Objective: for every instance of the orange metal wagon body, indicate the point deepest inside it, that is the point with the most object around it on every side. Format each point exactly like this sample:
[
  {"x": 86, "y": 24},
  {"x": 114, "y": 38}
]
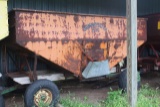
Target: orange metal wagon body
[{"x": 68, "y": 39}]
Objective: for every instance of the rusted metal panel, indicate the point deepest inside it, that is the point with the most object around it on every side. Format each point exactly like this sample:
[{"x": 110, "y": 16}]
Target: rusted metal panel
[
  {"x": 60, "y": 37},
  {"x": 149, "y": 53},
  {"x": 153, "y": 32},
  {"x": 153, "y": 25}
]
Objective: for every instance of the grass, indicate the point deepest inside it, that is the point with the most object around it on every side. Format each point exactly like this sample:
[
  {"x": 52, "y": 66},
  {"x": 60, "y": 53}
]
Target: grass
[
  {"x": 42, "y": 104},
  {"x": 70, "y": 101},
  {"x": 147, "y": 97}
]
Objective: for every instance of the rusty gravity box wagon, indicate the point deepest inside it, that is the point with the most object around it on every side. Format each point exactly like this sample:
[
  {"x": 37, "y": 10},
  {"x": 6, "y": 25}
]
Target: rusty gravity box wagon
[
  {"x": 149, "y": 53},
  {"x": 78, "y": 45}
]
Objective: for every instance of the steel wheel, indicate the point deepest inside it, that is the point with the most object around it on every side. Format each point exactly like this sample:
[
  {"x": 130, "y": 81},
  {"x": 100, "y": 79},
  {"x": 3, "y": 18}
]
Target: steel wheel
[
  {"x": 43, "y": 95},
  {"x": 41, "y": 92}
]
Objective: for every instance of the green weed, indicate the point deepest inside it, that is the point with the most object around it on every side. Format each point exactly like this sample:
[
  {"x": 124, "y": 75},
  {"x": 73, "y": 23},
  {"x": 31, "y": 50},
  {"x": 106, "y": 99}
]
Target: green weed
[
  {"x": 71, "y": 101},
  {"x": 147, "y": 97}
]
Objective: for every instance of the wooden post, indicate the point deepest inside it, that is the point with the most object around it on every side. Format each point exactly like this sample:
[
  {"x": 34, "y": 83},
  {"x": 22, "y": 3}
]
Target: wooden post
[{"x": 131, "y": 6}]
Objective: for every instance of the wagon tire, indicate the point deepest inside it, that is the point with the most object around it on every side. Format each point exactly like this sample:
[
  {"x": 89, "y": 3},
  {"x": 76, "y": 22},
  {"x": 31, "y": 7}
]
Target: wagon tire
[
  {"x": 122, "y": 81},
  {"x": 41, "y": 91},
  {"x": 2, "y": 101}
]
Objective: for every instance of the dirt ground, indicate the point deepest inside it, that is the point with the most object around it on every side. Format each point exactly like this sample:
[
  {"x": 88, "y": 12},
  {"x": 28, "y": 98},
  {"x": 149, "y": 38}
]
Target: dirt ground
[{"x": 83, "y": 90}]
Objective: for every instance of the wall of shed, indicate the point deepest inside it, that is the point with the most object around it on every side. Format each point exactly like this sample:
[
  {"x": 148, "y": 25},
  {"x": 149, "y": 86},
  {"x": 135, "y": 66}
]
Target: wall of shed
[
  {"x": 8, "y": 57},
  {"x": 7, "y": 65},
  {"x": 146, "y": 7},
  {"x": 103, "y": 7}
]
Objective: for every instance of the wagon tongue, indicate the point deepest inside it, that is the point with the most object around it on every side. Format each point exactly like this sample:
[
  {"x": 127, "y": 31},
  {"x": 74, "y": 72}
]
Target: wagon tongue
[{"x": 96, "y": 69}]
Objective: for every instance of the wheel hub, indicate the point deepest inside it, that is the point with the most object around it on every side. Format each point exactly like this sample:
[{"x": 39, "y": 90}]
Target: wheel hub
[{"x": 43, "y": 96}]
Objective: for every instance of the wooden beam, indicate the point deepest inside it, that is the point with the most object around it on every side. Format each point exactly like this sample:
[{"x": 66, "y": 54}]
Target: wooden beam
[{"x": 131, "y": 6}]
